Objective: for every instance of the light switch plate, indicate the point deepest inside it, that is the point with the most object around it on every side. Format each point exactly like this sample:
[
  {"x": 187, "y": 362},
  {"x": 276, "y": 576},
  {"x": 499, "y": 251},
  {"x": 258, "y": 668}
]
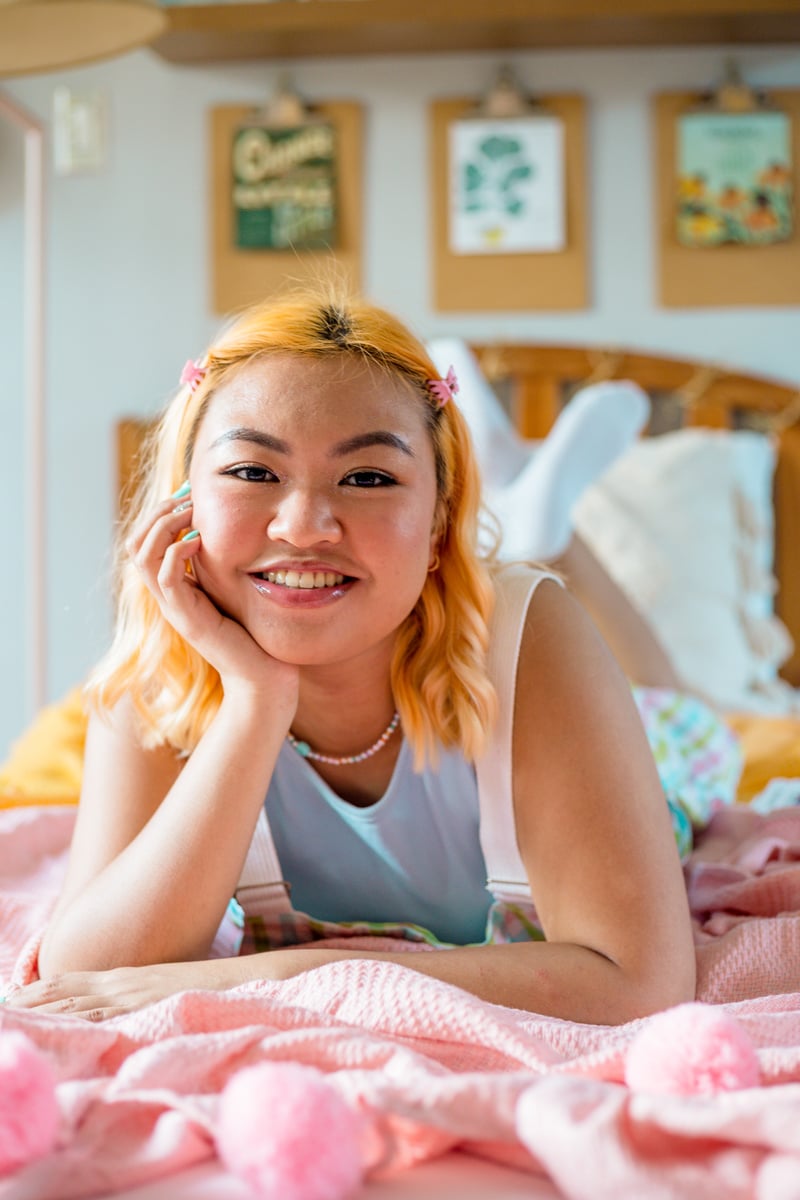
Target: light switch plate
[{"x": 79, "y": 130}]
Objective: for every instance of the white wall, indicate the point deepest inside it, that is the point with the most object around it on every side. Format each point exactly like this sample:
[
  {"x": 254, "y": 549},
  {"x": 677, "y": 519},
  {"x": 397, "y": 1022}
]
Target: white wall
[{"x": 129, "y": 271}]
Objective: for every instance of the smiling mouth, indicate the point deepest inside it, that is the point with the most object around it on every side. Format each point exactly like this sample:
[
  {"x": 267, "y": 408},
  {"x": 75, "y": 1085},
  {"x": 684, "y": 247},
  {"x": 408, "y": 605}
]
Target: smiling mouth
[{"x": 301, "y": 579}]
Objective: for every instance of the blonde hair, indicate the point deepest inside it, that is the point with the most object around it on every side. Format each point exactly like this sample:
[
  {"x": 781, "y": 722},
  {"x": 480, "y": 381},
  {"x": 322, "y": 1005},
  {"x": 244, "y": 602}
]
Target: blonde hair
[{"x": 438, "y": 673}]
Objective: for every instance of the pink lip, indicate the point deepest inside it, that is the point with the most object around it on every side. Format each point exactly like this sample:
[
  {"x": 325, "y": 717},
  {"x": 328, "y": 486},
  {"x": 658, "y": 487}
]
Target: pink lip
[{"x": 300, "y": 597}]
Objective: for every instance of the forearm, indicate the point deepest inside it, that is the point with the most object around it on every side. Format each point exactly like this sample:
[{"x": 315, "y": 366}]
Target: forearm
[
  {"x": 554, "y": 979},
  {"x": 161, "y": 899}
]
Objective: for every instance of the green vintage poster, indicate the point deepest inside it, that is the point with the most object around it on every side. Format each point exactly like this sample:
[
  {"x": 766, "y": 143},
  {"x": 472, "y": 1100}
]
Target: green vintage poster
[
  {"x": 284, "y": 187},
  {"x": 734, "y": 178},
  {"x": 507, "y": 186}
]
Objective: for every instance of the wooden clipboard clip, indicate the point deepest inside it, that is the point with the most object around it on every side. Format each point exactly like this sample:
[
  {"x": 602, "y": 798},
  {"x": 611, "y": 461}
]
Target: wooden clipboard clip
[
  {"x": 285, "y": 109},
  {"x": 733, "y": 95},
  {"x": 506, "y": 100}
]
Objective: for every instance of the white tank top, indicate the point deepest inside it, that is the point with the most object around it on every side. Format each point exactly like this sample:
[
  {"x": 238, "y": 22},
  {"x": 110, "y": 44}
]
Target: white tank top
[
  {"x": 439, "y": 846},
  {"x": 413, "y": 857}
]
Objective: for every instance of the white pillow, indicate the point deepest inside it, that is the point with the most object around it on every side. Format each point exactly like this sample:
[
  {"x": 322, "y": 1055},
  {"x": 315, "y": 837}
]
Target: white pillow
[{"x": 684, "y": 524}]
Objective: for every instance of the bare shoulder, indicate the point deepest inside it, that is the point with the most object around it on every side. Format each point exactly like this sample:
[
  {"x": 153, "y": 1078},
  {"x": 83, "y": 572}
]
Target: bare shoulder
[
  {"x": 573, "y": 698},
  {"x": 115, "y": 737},
  {"x": 561, "y": 644}
]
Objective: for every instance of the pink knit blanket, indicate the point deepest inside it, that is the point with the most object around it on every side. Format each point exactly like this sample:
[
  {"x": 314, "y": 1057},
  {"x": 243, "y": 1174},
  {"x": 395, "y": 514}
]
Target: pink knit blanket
[{"x": 432, "y": 1066}]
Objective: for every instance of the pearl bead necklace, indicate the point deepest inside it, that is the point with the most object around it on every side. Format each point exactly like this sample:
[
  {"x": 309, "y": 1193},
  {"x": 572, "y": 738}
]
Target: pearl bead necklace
[{"x": 305, "y": 751}]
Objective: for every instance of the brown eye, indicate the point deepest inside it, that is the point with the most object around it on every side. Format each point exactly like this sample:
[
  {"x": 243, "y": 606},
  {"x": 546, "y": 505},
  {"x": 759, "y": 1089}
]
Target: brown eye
[
  {"x": 250, "y": 473},
  {"x": 368, "y": 479}
]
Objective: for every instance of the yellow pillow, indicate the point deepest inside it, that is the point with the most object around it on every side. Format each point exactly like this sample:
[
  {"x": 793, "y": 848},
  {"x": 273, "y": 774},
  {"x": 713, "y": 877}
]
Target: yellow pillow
[
  {"x": 46, "y": 763},
  {"x": 771, "y": 748}
]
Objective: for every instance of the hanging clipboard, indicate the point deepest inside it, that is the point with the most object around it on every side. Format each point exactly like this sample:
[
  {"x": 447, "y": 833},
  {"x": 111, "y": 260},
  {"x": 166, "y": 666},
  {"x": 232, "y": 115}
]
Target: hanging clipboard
[
  {"x": 244, "y": 271},
  {"x": 741, "y": 255},
  {"x": 468, "y": 277}
]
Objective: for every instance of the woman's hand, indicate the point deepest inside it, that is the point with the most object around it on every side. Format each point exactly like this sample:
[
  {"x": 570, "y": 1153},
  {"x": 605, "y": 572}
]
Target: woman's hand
[
  {"x": 98, "y": 995},
  {"x": 223, "y": 642}
]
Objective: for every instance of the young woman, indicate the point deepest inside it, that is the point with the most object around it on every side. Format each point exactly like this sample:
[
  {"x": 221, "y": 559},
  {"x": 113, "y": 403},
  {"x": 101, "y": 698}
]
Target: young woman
[{"x": 317, "y": 680}]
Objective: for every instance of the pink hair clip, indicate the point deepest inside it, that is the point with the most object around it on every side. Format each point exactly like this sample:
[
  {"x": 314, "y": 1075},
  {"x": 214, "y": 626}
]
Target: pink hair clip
[
  {"x": 193, "y": 373},
  {"x": 444, "y": 389}
]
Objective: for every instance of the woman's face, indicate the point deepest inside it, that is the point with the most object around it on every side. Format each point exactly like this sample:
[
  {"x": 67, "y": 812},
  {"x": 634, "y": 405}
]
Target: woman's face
[{"x": 314, "y": 489}]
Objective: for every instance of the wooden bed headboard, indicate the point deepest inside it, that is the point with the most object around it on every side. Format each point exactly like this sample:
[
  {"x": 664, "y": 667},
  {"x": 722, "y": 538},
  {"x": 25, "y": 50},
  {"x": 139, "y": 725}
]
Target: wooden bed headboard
[{"x": 536, "y": 381}]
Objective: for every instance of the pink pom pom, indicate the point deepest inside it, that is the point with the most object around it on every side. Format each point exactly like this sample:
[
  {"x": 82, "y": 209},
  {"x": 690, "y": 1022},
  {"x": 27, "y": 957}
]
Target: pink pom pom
[
  {"x": 288, "y": 1133},
  {"x": 29, "y": 1113},
  {"x": 693, "y": 1049}
]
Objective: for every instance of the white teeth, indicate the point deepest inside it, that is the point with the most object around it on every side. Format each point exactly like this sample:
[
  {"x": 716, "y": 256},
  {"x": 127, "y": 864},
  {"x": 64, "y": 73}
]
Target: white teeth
[{"x": 304, "y": 579}]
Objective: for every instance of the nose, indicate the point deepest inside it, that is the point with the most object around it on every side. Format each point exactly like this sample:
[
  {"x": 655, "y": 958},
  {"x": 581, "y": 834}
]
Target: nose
[{"x": 304, "y": 518}]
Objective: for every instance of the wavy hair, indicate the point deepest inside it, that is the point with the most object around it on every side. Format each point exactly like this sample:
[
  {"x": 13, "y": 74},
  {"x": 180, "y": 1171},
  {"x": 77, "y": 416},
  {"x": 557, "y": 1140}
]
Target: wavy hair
[{"x": 438, "y": 673}]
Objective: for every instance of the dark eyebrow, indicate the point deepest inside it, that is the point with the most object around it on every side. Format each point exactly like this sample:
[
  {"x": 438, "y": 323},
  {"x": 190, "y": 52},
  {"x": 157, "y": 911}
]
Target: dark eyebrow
[
  {"x": 362, "y": 441},
  {"x": 242, "y": 433}
]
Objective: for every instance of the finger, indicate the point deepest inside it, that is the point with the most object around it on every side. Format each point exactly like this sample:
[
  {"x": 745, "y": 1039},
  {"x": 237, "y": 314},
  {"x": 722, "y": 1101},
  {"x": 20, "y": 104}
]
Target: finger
[
  {"x": 64, "y": 991},
  {"x": 172, "y": 571},
  {"x": 181, "y": 599},
  {"x": 104, "y": 1014},
  {"x": 26, "y": 997},
  {"x": 145, "y": 520},
  {"x": 48, "y": 991},
  {"x": 164, "y": 535},
  {"x": 149, "y": 542},
  {"x": 159, "y": 528},
  {"x": 183, "y": 602},
  {"x": 86, "y": 1008},
  {"x": 67, "y": 1006}
]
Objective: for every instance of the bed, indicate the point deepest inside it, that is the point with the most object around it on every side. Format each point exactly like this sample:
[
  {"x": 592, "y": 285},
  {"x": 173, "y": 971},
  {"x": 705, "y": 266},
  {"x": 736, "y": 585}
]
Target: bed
[{"x": 468, "y": 1099}]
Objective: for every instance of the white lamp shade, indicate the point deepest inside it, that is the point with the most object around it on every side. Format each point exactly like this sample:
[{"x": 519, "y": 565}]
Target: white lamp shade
[{"x": 47, "y": 35}]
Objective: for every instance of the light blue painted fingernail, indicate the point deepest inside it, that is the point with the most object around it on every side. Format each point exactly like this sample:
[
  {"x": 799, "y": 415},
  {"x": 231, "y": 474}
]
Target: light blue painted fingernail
[
  {"x": 183, "y": 490},
  {"x": 188, "y": 537},
  {"x": 187, "y": 504}
]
